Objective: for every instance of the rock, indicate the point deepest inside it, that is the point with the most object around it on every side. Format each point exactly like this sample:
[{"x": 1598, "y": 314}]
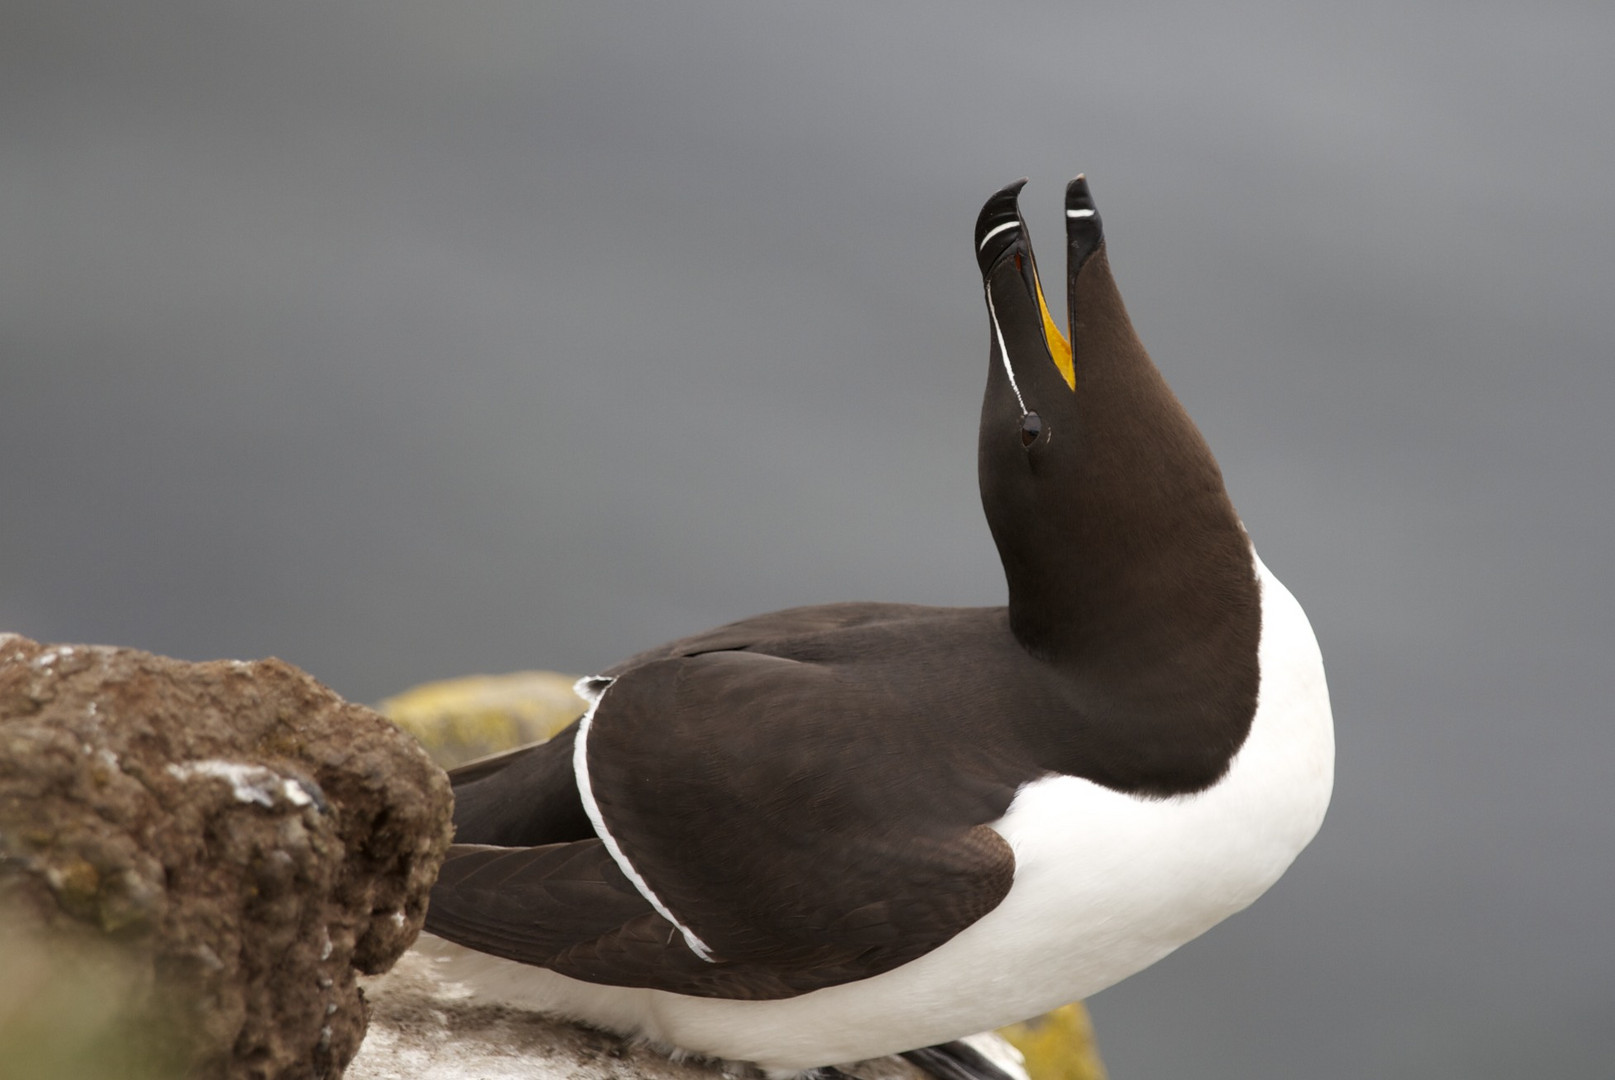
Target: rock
[
  {"x": 458, "y": 720},
  {"x": 1058, "y": 1045},
  {"x": 425, "y": 1028},
  {"x": 251, "y": 840}
]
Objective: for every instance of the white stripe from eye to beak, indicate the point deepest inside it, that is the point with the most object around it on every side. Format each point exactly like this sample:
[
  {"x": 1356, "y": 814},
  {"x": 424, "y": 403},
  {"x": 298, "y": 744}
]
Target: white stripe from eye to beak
[
  {"x": 996, "y": 231},
  {"x": 1009, "y": 368},
  {"x": 1078, "y": 213}
]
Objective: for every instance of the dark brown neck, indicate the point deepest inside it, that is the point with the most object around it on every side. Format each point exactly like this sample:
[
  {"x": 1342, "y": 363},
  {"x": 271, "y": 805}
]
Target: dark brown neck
[{"x": 1126, "y": 563}]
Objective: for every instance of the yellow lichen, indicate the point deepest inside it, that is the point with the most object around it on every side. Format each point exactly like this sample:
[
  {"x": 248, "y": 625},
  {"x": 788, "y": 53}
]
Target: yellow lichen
[
  {"x": 461, "y": 719},
  {"x": 1058, "y": 1045}
]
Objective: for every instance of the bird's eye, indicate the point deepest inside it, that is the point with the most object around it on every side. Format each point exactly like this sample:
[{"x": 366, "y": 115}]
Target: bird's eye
[{"x": 1031, "y": 428}]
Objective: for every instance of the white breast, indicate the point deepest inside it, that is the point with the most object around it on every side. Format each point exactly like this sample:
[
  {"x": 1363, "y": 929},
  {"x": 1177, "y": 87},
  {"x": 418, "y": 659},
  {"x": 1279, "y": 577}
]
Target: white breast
[{"x": 1105, "y": 884}]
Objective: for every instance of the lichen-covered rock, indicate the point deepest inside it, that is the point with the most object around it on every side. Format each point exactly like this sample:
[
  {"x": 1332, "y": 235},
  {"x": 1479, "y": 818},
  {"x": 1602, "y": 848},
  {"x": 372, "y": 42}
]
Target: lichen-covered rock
[
  {"x": 253, "y": 840},
  {"x": 469, "y": 717},
  {"x": 1058, "y": 1045}
]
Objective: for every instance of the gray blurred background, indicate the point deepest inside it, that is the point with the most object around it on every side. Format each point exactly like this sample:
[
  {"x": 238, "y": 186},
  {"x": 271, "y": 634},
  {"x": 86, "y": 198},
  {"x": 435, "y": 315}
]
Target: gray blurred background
[{"x": 405, "y": 341}]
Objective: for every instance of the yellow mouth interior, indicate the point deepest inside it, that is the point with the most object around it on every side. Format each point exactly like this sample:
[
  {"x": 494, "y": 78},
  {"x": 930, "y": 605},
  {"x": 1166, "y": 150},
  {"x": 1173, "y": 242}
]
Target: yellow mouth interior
[{"x": 1059, "y": 347}]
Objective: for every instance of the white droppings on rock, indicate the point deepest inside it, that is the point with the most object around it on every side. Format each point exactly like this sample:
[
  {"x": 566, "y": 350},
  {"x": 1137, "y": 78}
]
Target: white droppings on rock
[
  {"x": 426, "y": 1027},
  {"x": 251, "y": 783},
  {"x": 209, "y": 958}
]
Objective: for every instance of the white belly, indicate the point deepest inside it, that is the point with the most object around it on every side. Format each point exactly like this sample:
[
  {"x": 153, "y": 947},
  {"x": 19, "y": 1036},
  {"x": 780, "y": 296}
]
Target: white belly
[{"x": 1105, "y": 884}]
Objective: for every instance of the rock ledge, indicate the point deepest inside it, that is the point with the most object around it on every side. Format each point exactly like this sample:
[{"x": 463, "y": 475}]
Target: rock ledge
[{"x": 252, "y": 840}]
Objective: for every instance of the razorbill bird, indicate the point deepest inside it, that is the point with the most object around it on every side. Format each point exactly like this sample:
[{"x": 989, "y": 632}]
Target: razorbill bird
[{"x": 832, "y": 833}]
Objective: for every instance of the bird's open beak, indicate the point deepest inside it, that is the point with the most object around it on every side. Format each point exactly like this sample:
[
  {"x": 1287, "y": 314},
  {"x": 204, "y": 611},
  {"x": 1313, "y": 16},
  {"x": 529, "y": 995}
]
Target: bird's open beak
[{"x": 1001, "y": 234}]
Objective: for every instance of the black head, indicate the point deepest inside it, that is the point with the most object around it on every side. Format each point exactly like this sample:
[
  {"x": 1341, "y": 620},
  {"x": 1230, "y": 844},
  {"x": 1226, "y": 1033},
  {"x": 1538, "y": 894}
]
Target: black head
[{"x": 1119, "y": 543}]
